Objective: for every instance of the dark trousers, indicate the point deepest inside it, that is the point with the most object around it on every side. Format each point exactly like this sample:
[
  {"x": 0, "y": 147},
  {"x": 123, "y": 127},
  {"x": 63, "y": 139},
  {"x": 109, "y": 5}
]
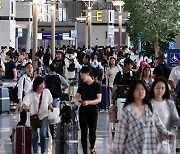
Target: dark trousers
[
  {"x": 23, "y": 118},
  {"x": 88, "y": 119}
]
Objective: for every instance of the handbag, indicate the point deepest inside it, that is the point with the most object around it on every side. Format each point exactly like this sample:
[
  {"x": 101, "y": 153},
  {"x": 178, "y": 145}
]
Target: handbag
[
  {"x": 35, "y": 121},
  {"x": 53, "y": 117}
]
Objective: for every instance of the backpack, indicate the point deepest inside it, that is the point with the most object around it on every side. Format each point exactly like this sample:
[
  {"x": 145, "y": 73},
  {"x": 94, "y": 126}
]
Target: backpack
[
  {"x": 14, "y": 93},
  {"x": 71, "y": 67},
  {"x": 68, "y": 114},
  {"x": 53, "y": 83}
]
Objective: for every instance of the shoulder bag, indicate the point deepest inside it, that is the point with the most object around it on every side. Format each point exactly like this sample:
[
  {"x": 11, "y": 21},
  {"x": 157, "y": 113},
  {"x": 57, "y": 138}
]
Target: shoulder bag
[{"x": 35, "y": 121}]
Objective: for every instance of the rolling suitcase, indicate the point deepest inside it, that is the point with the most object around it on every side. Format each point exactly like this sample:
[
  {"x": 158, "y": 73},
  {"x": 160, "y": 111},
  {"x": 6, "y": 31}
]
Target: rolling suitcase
[
  {"x": 21, "y": 140},
  {"x": 105, "y": 102},
  {"x": 4, "y": 100},
  {"x": 66, "y": 139}
]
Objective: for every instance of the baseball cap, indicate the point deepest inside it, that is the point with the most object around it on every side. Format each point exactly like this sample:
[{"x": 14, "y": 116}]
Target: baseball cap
[
  {"x": 160, "y": 56},
  {"x": 143, "y": 63}
]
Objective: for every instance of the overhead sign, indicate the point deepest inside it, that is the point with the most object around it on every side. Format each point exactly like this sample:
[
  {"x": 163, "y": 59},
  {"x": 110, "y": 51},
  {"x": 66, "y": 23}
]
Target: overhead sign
[
  {"x": 171, "y": 45},
  {"x": 172, "y": 57},
  {"x": 47, "y": 36},
  {"x": 99, "y": 16},
  {"x": 102, "y": 16},
  {"x": 73, "y": 34}
]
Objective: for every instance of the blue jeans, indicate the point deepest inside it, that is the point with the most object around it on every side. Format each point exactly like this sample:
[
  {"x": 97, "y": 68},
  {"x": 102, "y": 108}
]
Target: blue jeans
[
  {"x": 43, "y": 142},
  {"x": 56, "y": 102}
]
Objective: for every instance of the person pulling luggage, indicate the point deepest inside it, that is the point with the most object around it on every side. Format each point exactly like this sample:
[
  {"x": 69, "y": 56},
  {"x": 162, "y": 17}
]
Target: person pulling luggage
[
  {"x": 55, "y": 83},
  {"x": 90, "y": 92},
  {"x": 38, "y": 101},
  {"x": 25, "y": 84}
]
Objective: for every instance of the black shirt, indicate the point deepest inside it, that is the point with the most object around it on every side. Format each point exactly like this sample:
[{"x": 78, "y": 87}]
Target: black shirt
[
  {"x": 89, "y": 92},
  {"x": 124, "y": 79},
  {"x": 162, "y": 70},
  {"x": 60, "y": 64},
  {"x": 9, "y": 70}
]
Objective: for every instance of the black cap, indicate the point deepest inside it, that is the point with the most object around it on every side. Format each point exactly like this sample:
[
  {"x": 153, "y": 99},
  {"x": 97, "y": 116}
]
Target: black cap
[{"x": 160, "y": 57}]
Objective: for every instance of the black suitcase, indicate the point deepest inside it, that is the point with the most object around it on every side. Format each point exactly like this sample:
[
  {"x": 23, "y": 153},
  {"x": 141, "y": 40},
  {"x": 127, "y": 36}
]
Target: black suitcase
[
  {"x": 4, "y": 100},
  {"x": 66, "y": 141},
  {"x": 65, "y": 147},
  {"x": 105, "y": 102}
]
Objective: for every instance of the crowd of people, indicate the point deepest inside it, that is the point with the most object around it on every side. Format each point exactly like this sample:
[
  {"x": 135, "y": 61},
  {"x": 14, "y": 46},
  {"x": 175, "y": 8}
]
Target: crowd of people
[{"x": 149, "y": 113}]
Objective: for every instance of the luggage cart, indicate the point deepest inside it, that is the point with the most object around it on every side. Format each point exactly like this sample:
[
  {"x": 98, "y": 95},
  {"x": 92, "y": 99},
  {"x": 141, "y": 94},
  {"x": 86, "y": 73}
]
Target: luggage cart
[{"x": 120, "y": 98}]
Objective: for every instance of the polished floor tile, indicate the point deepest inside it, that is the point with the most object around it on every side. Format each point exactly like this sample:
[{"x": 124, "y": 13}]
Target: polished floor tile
[{"x": 103, "y": 142}]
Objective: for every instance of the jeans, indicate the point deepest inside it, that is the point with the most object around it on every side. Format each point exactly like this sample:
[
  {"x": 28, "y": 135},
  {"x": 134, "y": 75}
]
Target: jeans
[
  {"x": 88, "y": 119},
  {"x": 43, "y": 142},
  {"x": 56, "y": 102}
]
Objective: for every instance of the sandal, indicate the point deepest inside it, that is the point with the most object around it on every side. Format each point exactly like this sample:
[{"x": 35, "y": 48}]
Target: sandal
[{"x": 93, "y": 151}]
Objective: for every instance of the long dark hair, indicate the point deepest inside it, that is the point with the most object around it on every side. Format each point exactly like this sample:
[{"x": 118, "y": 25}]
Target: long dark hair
[
  {"x": 130, "y": 95},
  {"x": 146, "y": 67},
  {"x": 160, "y": 79},
  {"x": 110, "y": 62}
]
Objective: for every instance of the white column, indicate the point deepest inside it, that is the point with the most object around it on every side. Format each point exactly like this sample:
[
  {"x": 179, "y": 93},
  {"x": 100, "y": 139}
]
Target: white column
[
  {"x": 53, "y": 18},
  {"x": 35, "y": 29}
]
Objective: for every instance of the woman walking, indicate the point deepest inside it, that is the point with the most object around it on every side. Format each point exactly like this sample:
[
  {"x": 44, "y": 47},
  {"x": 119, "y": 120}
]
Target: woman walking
[
  {"x": 39, "y": 101},
  {"x": 137, "y": 129},
  {"x": 166, "y": 110},
  {"x": 112, "y": 70},
  {"x": 146, "y": 77},
  {"x": 90, "y": 92},
  {"x": 24, "y": 86}
]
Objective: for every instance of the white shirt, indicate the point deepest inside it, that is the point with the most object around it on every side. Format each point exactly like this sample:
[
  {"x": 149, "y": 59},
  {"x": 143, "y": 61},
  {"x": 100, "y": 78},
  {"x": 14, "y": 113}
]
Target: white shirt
[
  {"x": 32, "y": 100},
  {"x": 3, "y": 55},
  {"x": 175, "y": 74},
  {"x": 162, "y": 109},
  {"x": 27, "y": 85},
  {"x": 111, "y": 73},
  {"x": 77, "y": 65}
]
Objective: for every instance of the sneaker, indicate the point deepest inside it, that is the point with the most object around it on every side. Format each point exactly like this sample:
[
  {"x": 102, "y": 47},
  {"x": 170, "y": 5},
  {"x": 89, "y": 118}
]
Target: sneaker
[{"x": 92, "y": 151}]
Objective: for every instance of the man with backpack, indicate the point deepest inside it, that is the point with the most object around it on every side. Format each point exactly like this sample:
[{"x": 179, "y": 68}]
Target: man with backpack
[
  {"x": 126, "y": 76},
  {"x": 71, "y": 64},
  {"x": 56, "y": 84}
]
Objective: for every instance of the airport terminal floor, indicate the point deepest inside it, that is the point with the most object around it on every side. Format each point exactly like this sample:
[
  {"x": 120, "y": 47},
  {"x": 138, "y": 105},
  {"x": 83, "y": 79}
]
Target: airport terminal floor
[{"x": 103, "y": 142}]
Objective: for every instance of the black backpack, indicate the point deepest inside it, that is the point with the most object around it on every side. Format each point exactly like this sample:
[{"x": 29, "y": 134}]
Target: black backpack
[
  {"x": 71, "y": 67},
  {"x": 14, "y": 92},
  {"x": 68, "y": 114},
  {"x": 53, "y": 83}
]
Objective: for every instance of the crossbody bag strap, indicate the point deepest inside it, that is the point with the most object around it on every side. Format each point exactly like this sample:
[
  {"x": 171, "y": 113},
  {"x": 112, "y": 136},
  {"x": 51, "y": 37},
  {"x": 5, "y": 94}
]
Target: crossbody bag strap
[{"x": 40, "y": 100}]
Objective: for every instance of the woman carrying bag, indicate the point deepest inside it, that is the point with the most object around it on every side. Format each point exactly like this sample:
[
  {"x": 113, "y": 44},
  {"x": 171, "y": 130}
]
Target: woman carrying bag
[{"x": 38, "y": 101}]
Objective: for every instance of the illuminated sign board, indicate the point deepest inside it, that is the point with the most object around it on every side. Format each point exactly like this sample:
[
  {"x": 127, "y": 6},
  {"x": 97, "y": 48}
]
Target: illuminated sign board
[
  {"x": 99, "y": 16},
  {"x": 102, "y": 16}
]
